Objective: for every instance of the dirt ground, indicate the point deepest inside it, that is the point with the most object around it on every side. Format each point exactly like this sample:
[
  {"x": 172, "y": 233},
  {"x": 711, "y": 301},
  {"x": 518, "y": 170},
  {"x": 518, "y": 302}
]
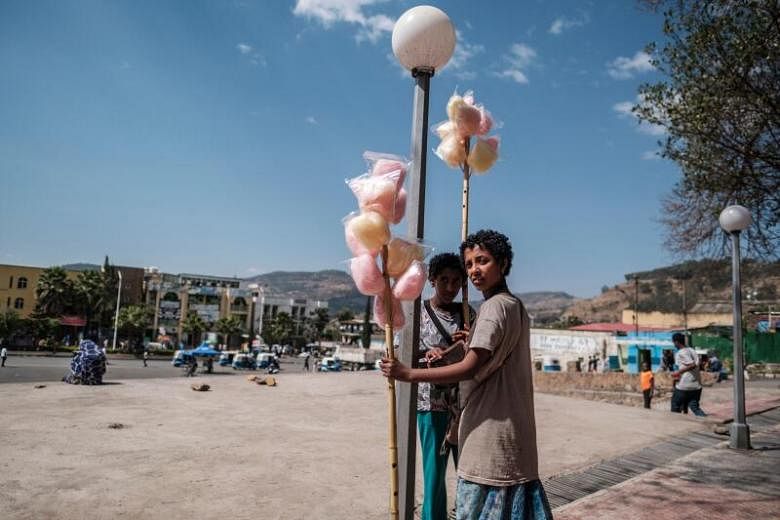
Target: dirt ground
[{"x": 312, "y": 447}]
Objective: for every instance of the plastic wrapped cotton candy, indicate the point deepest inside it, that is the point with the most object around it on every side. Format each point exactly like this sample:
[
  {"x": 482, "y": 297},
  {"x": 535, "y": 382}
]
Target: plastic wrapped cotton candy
[
  {"x": 451, "y": 150},
  {"x": 464, "y": 116},
  {"x": 383, "y": 163},
  {"x": 368, "y": 278},
  {"x": 400, "y": 255},
  {"x": 376, "y": 193},
  {"x": 410, "y": 284},
  {"x": 355, "y": 245},
  {"x": 400, "y": 206},
  {"x": 380, "y": 317},
  {"x": 484, "y": 154},
  {"x": 369, "y": 229},
  {"x": 485, "y": 121}
]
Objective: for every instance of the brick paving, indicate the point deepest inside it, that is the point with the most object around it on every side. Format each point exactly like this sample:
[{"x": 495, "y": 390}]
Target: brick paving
[{"x": 713, "y": 483}]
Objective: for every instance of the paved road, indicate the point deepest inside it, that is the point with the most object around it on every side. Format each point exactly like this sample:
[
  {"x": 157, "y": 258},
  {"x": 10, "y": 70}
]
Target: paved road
[{"x": 35, "y": 369}]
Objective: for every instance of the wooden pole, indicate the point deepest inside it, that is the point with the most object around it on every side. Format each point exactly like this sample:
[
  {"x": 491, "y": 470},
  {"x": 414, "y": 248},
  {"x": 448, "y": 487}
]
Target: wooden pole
[
  {"x": 392, "y": 445},
  {"x": 464, "y": 228}
]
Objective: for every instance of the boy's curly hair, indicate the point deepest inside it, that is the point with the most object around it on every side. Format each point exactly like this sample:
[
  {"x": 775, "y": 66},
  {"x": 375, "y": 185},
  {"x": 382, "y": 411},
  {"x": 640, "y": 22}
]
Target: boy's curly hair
[
  {"x": 443, "y": 261},
  {"x": 495, "y": 243}
]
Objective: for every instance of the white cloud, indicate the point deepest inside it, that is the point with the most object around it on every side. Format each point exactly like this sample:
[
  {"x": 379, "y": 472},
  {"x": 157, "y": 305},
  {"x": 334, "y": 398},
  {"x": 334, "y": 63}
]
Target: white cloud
[
  {"x": 650, "y": 155},
  {"x": 255, "y": 58},
  {"x": 520, "y": 57},
  {"x": 461, "y": 57},
  {"x": 624, "y": 111},
  {"x": 625, "y": 68},
  {"x": 312, "y": 121},
  {"x": 562, "y": 23},
  {"x": 244, "y": 48},
  {"x": 330, "y": 12}
]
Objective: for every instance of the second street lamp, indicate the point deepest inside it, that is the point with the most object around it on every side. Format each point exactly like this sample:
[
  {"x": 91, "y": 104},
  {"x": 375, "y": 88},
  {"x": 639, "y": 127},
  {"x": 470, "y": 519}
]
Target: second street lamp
[
  {"x": 733, "y": 220},
  {"x": 423, "y": 42}
]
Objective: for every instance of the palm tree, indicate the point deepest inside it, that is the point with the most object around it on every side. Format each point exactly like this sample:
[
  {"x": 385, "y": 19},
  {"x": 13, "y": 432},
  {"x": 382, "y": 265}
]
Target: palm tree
[
  {"x": 133, "y": 321},
  {"x": 229, "y": 326},
  {"x": 54, "y": 292},
  {"x": 90, "y": 290},
  {"x": 193, "y": 325}
]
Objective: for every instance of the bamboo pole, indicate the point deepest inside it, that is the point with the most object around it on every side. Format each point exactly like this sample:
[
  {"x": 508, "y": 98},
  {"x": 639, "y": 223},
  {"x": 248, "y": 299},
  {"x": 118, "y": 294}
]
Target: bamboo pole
[
  {"x": 392, "y": 445},
  {"x": 464, "y": 228}
]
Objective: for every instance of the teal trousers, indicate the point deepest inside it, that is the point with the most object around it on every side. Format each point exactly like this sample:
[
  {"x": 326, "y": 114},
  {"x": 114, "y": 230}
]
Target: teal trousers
[{"x": 432, "y": 427}]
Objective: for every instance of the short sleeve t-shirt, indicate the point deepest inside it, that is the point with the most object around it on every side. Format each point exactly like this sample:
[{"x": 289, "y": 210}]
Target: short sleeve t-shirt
[
  {"x": 688, "y": 380},
  {"x": 430, "y": 397},
  {"x": 497, "y": 436}
]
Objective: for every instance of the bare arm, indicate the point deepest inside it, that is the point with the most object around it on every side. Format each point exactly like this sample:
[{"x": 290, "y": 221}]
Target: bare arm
[{"x": 462, "y": 370}]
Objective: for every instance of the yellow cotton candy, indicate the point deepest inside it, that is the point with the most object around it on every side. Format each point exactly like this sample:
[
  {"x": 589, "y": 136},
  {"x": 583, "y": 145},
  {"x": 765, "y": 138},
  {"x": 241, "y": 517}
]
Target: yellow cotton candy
[
  {"x": 482, "y": 156},
  {"x": 453, "y": 105},
  {"x": 371, "y": 229},
  {"x": 451, "y": 150},
  {"x": 400, "y": 255}
]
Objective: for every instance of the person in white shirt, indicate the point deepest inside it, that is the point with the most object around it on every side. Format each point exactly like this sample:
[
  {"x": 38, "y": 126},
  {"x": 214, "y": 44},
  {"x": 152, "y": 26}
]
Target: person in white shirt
[
  {"x": 687, "y": 390},
  {"x": 3, "y": 355}
]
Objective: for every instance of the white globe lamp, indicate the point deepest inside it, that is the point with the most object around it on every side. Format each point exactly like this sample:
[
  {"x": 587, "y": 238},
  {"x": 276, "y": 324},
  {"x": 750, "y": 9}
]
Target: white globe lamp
[
  {"x": 735, "y": 218},
  {"x": 423, "y": 38}
]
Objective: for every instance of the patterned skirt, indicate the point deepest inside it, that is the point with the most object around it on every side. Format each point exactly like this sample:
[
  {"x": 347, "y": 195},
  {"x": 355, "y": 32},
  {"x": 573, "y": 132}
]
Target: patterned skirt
[{"x": 519, "y": 502}]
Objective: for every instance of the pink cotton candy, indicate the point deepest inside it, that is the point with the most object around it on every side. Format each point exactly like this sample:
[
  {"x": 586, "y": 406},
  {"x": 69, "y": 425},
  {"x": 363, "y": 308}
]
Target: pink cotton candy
[
  {"x": 366, "y": 274},
  {"x": 400, "y": 206},
  {"x": 355, "y": 245},
  {"x": 400, "y": 255},
  {"x": 369, "y": 229},
  {"x": 451, "y": 150},
  {"x": 376, "y": 193},
  {"x": 493, "y": 142},
  {"x": 410, "y": 284},
  {"x": 386, "y": 166},
  {"x": 444, "y": 129},
  {"x": 485, "y": 121},
  {"x": 380, "y": 316},
  {"x": 482, "y": 156}
]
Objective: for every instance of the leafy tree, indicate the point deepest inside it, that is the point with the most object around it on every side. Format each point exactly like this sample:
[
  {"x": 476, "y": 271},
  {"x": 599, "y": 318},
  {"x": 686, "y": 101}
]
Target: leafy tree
[
  {"x": 280, "y": 328},
  {"x": 193, "y": 325},
  {"x": 42, "y": 327},
  {"x": 9, "y": 324},
  {"x": 54, "y": 293},
  {"x": 720, "y": 106},
  {"x": 320, "y": 320},
  {"x": 228, "y": 327},
  {"x": 90, "y": 295},
  {"x": 133, "y": 320},
  {"x": 345, "y": 315}
]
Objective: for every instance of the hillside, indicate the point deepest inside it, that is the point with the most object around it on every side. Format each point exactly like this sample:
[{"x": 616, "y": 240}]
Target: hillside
[
  {"x": 662, "y": 289},
  {"x": 335, "y": 286}
]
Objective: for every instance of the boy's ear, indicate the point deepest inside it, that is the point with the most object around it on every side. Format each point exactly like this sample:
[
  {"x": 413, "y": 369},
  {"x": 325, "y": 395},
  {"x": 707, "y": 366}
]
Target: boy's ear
[{"x": 504, "y": 264}]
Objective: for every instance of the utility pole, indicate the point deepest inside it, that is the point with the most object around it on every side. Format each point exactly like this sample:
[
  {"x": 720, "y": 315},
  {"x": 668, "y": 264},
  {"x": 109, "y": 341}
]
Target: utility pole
[{"x": 636, "y": 305}]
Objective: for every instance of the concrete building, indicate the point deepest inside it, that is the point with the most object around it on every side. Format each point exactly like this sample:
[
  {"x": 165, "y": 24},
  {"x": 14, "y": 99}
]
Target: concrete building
[{"x": 17, "y": 287}]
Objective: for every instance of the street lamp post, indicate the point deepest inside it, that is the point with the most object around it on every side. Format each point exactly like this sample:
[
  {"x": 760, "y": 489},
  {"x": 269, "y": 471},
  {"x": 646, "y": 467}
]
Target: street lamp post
[
  {"x": 116, "y": 313},
  {"x": 423, "y": 42},
  {"x": 733, "y": 220}
]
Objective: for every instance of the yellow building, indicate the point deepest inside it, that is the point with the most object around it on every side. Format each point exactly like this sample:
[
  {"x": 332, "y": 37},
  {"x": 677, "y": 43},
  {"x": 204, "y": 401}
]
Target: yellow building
[
  {"x": 17, "y": 287},
  {"x": 701, "y": 315}
]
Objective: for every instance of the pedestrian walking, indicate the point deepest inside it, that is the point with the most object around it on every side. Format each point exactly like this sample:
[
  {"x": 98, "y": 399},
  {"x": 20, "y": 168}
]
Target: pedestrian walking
[
  {"x": 647, "y": 381},
  {"x": 146, "y": 357},
  {"x": 687, "y": 390},
  {"x": 306, "y": 362},
  {"x": 498, "y": 474},
  {"x": 3, "y": 355}
]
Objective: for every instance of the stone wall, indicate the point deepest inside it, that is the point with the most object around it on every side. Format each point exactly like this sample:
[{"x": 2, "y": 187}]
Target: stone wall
[{"x": 613, "y": 387}]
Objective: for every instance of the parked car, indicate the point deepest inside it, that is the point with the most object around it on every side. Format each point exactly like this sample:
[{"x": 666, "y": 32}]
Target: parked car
[
  {"x": 181, "y": 358},
  {"x": 244, "y": 362},
  {"x": 226, "y": 359},
  {"x": 330, "y": 364},
  {"x": 264, "y": 359}
]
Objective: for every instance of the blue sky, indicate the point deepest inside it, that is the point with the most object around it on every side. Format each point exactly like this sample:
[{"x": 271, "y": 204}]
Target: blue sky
[{"x": 215, "y": 137}]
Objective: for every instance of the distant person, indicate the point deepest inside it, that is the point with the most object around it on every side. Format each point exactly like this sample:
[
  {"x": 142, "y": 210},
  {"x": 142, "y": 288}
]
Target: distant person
[
  {"x": 687, "y": 390},
  {"x": 3, "y": 355},
  {"x": 193, "y": 367},
  {"x": 647, "y": 383},
  {"x": 146, "y": 357},
  {"x": 716, "y": 367},
  {"x": 498, "y": 474},
  {"x": 306, "y": 362}
]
